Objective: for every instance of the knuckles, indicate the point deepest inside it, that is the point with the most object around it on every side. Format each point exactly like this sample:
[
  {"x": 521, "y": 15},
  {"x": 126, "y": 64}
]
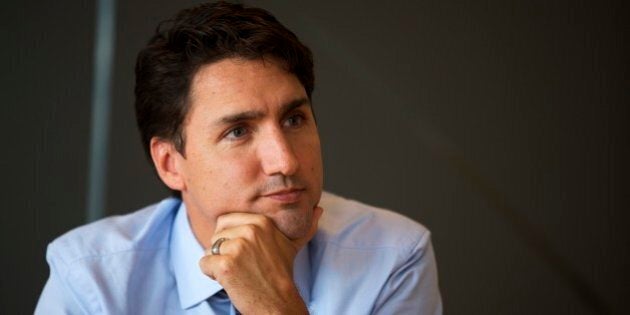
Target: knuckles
[
  {"x": 238, "y": 246},
  {"x": 217, "y": 267},
  {"x": 225, "y": 267},
  {"x": 204, "y": 264},
  {"x": 250, "y": 231}
]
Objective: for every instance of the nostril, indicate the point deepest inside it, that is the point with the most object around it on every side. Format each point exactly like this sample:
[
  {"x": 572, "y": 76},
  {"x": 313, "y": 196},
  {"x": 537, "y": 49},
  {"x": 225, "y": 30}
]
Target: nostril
[{"x": 277, "y": 157}]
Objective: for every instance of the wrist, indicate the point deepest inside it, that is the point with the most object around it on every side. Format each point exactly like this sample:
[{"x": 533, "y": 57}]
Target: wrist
[{"x": 292, "y": 301}]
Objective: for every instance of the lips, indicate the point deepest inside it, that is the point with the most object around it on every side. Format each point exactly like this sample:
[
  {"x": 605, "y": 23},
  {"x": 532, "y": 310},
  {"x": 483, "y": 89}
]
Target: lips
[{"x": 285, "y": 195}]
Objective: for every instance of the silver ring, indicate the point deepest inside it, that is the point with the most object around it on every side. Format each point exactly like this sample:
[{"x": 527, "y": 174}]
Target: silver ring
[{"x": 216, "y": 247}]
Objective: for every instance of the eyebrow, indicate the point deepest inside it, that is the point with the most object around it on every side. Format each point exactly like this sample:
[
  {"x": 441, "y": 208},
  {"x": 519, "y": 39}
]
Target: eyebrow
[{"x": 252, "y": 115}]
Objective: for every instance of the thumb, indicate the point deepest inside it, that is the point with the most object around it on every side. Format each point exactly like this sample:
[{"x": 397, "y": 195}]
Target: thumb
[{"x": 317, "y": 214}]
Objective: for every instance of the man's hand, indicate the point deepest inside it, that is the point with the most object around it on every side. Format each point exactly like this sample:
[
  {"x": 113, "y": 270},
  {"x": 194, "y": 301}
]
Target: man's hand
[{"x": 255, "y": 266}]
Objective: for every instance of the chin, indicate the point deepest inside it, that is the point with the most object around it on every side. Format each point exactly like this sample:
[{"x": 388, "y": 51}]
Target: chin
[{"x": 294, "y": 222}]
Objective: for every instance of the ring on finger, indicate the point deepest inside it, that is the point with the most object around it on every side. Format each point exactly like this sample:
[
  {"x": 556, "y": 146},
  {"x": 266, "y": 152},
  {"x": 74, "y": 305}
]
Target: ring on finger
[{"x": 216, "y": 246}]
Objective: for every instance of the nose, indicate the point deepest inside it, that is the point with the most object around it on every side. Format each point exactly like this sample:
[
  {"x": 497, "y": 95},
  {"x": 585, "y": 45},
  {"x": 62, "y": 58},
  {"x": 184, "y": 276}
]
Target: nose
[{"x": 276, "y": 155}]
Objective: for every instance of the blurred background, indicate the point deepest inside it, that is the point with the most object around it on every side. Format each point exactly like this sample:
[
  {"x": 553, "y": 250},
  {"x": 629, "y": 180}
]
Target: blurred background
[{"x": 500, "y": 125}]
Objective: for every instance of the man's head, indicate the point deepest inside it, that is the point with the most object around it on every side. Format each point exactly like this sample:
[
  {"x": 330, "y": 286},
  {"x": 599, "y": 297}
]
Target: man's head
[
  {"x": 203, "y": 35},
  {"x": 223, "y": 106}
]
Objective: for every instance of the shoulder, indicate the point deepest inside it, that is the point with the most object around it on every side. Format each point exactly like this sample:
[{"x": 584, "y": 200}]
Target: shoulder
[
  {"x": 352, "y": 224},
  {"x": 98, "y": 267},
  {"x": 142, "y": 229},
  {"x": 376, "y": 254}
]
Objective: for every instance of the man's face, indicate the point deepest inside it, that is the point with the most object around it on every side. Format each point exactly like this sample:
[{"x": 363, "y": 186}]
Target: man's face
[{"x": 251, "y": 145}]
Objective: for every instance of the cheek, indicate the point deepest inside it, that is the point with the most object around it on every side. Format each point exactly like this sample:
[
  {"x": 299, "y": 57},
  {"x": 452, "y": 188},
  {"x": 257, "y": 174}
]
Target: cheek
[
  {"x": 316, "y": 152},
  {"x": 311, "y": 158},
  {"x": 223, "y": 184},
  {"x": 234, "y": 173}
]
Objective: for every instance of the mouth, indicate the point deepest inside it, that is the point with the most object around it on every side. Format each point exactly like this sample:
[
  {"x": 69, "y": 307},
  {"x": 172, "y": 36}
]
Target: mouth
[{"x": 290, "y": 195}]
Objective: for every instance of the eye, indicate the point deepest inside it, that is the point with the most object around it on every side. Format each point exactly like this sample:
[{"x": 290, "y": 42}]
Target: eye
[
  {"x": 294, "y": 120},
  {"x": 237, "y": 133}
]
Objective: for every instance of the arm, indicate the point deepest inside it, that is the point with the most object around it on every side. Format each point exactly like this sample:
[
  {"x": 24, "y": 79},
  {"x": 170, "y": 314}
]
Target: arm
[{"x": 413, "y": 287}]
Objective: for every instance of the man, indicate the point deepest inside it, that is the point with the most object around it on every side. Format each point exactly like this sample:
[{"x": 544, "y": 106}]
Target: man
[{"x": 223, "y": 104}]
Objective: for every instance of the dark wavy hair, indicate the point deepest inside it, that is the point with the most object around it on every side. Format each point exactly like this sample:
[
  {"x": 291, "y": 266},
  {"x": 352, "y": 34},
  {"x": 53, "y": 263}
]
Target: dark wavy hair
[{"x": 199, "y": 36}]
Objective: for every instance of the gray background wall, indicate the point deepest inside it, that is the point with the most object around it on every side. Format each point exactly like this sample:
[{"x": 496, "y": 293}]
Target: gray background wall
[{"x": 500, "y": 125}]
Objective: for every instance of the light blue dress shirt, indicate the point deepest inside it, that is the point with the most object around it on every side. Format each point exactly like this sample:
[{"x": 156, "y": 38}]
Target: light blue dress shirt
[{"x": 363, "y": 260}]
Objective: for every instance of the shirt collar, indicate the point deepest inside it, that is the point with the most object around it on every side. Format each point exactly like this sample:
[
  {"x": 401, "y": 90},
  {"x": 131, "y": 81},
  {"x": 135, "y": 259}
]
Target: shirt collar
[{"x": 193, "y": 286}]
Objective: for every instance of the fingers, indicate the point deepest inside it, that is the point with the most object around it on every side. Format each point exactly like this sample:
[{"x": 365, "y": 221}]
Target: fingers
[
  {"x": 235, "y": 219},
  {"x": 223, "y": 266},
  {"x": 231, "y": 225},
  {"x": 249, "y": 240},
  {"x": 250, "y": 225},
  {"x": 237, "y": 233},
  {"x": 241, "y": 225},
  {"x": 216, "y": 266}
]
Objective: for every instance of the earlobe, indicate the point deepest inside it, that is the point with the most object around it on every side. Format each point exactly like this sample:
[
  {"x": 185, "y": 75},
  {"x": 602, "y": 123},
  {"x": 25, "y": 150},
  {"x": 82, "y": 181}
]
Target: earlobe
[{"x": 166, "y": 160}]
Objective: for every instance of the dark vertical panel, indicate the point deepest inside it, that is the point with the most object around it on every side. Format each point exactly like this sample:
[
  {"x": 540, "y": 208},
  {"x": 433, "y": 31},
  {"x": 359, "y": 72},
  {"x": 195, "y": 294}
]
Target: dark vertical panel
[
  {"x": 104, "y": 42},
  {"x": 46, "y": 70}
]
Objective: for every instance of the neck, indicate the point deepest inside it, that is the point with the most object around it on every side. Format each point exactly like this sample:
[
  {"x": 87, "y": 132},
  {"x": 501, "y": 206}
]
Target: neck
[{"x": 202, "y": 226}]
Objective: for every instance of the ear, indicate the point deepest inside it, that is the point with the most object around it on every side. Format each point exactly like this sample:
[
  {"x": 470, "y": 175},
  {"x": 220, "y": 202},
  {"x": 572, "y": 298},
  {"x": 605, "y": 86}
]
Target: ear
[{"x": 168, "y": 163}]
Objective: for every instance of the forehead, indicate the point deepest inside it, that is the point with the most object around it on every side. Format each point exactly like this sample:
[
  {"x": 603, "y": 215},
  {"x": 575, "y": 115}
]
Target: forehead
[{"x": 233, "y": 83}]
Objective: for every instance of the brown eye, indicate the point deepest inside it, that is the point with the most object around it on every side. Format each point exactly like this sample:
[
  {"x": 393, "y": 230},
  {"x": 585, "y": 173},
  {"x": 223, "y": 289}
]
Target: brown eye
[
  {"x": 294, "y": 121},
  {"x": 236, "y": 133}
]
